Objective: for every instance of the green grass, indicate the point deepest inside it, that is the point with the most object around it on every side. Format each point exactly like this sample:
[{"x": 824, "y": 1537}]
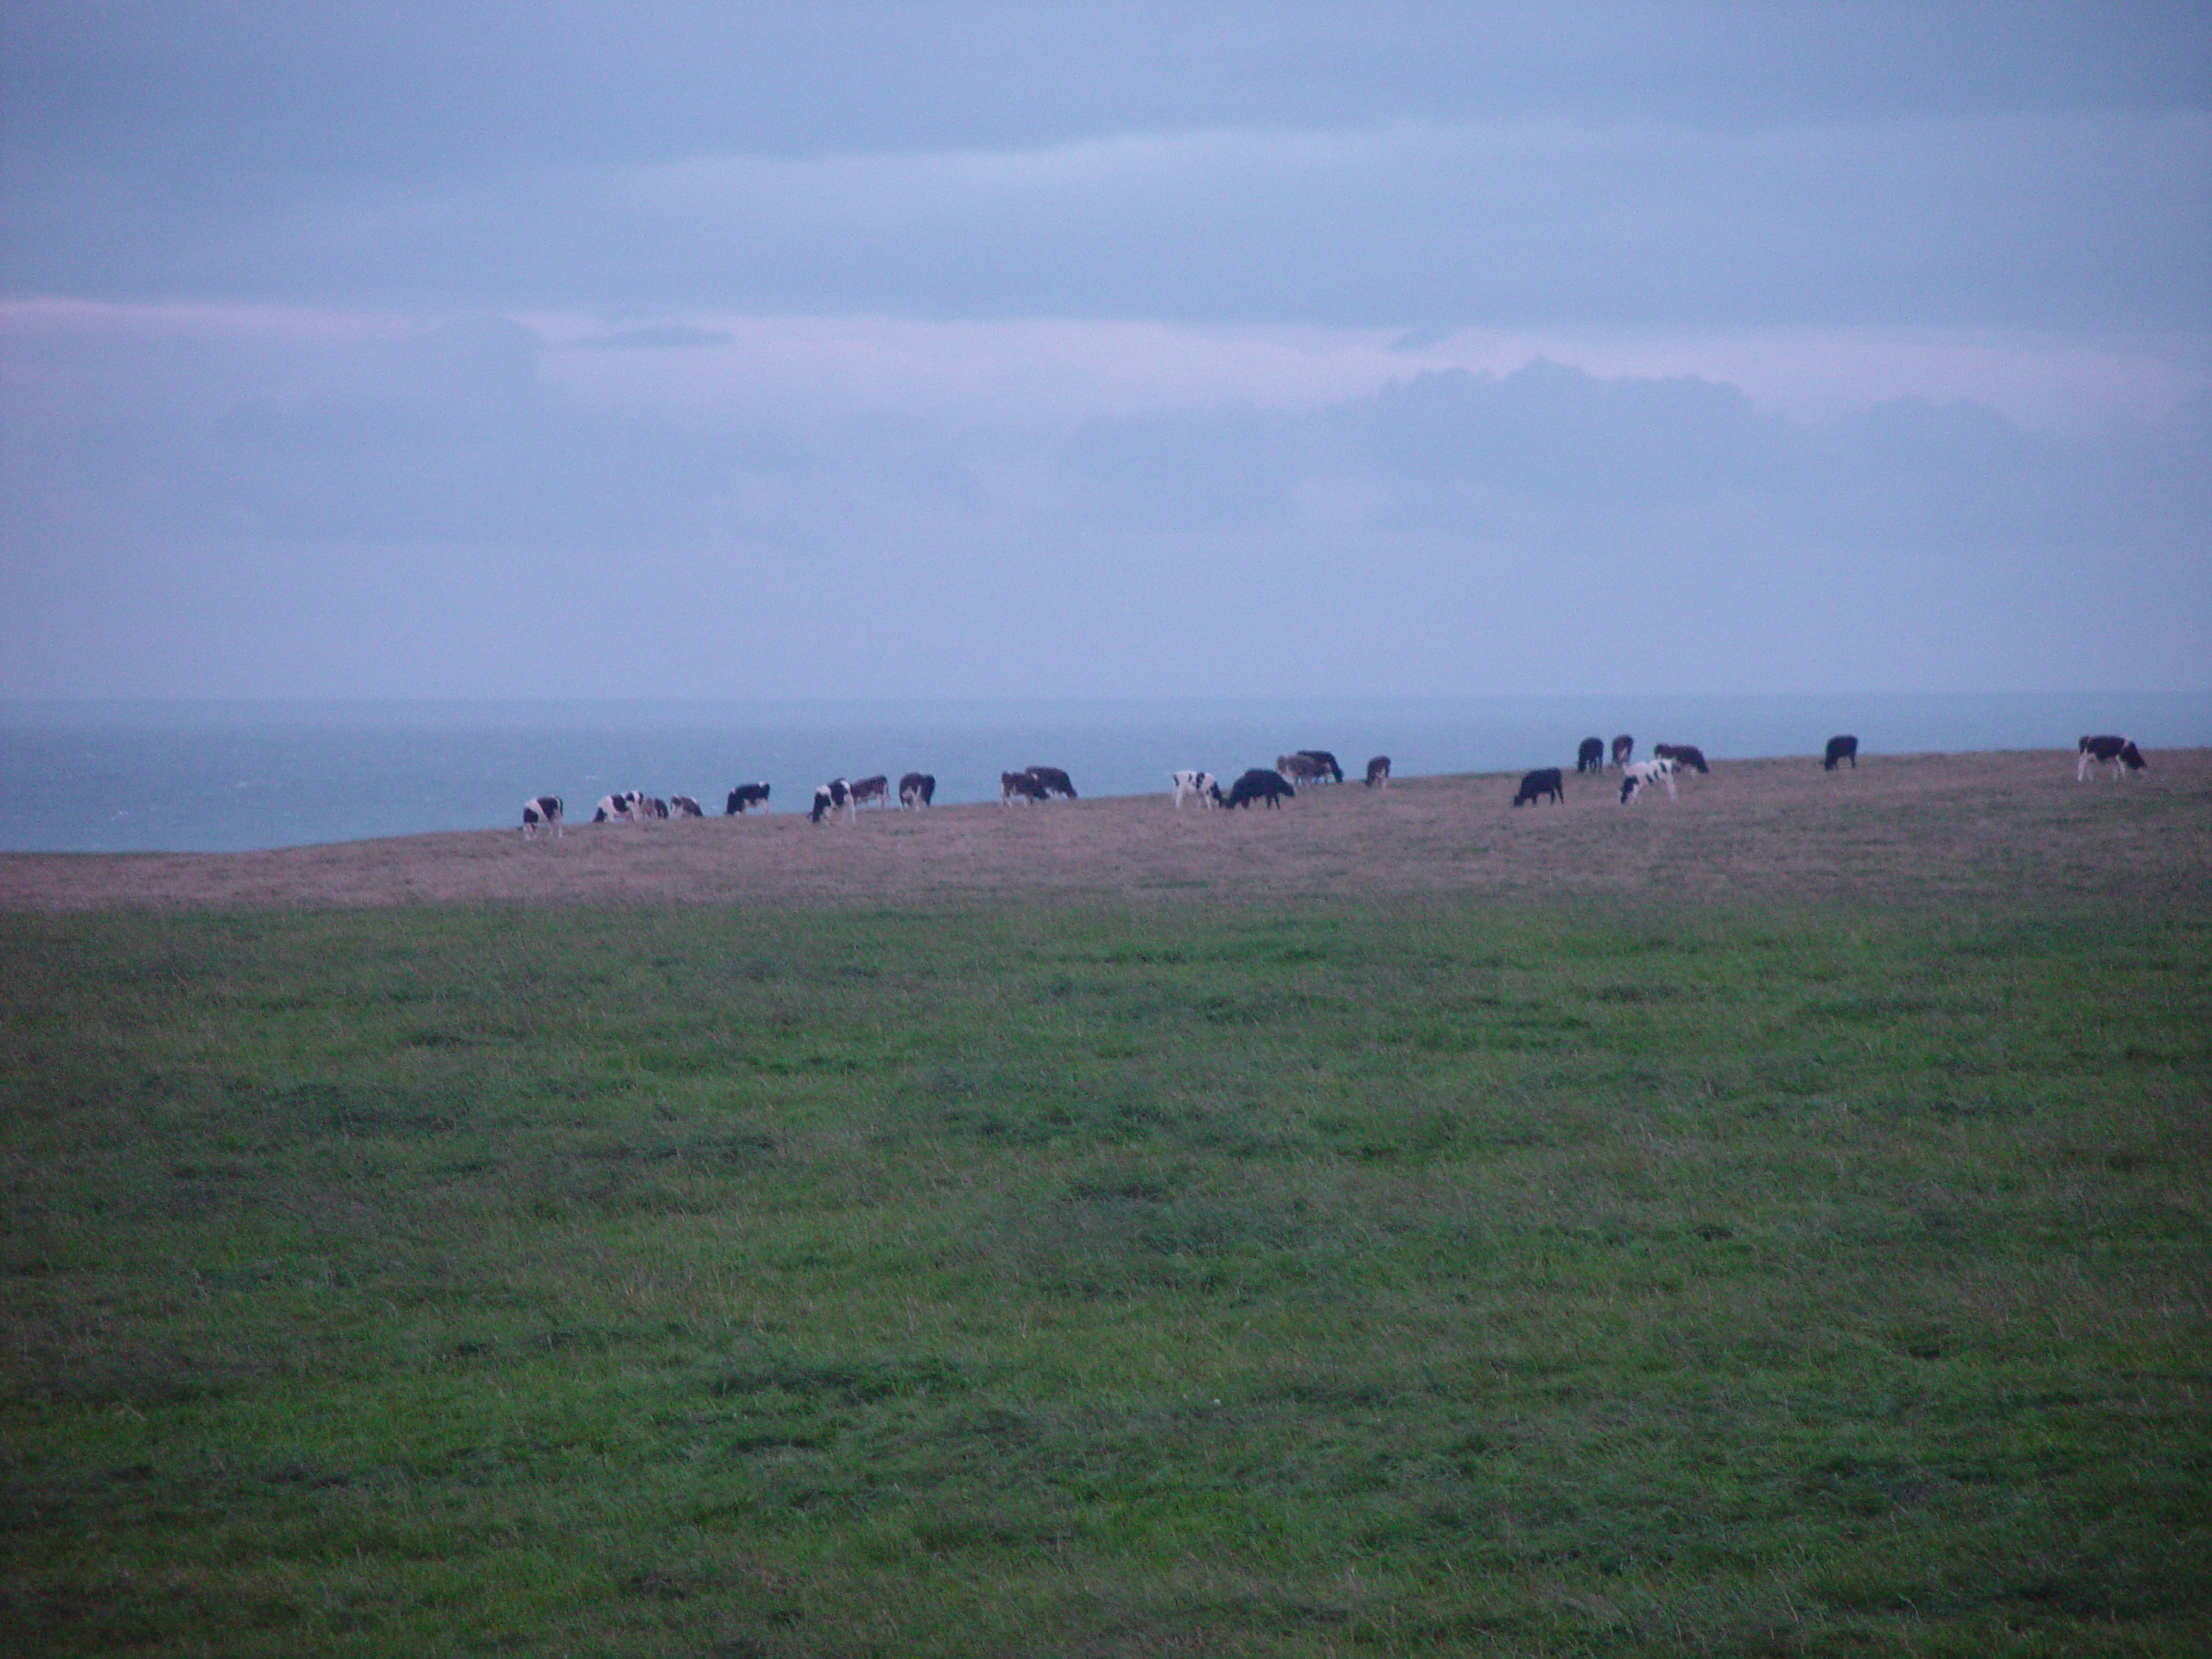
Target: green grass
[{"x": 1477, "y": 1279}]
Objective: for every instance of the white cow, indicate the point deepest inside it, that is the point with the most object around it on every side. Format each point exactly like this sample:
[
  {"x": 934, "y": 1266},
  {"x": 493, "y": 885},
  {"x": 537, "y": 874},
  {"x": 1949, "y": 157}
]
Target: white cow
[
  {"x": 1635, "y": 774},
  {"x": 1200, "y": 784}
]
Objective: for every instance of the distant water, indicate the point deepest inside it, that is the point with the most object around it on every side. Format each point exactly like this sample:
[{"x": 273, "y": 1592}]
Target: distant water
[{"x": 117, "y": 776}]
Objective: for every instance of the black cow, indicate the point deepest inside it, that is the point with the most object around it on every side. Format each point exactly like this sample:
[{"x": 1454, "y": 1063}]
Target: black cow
[
  {"x": 917, "y": 789},
  {"x": 1687, "y": 757},
  {"x": 1534, "y": 785},
  {"x": 744, "y": 796},
  {"x": 1260, "y": 784},
  {"x": 1019, "y": 785},
  {"x": 1378, "y": 772},
  {"x": 1053, "y": 781},
  {"x": 2118, "y": 752},
  {"x": 541, "y": 812},
  {"x": 1328, "y": 764},
  {"x": 1590, "y": 757},
  {"x": 1841, "y": 749},
  {"x": 1624, "y": 749}
]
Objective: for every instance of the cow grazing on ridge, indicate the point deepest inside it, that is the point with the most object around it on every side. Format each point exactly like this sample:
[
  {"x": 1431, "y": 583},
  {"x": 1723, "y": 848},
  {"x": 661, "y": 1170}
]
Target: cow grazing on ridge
[
  {"x": 1687, "y": 757},
  {"x": 1590, "y": 757},
  {"x": 684, "y": 807},
  {"x": 1624, "y": 749},
  {"x": 871, "y": 791},
  {"x": 1300, "y": 768},
  {"x": 1637, "y": 773},
  {"x": 1841, "y": 749},
  {"x": 2118, "y": 752},
  {"x": 652, "y": 807},
  {"x": 829, "y": 799},
  {"x": 744, "y": 797},
  {"x": 1200, "y": 784},
  {"x": 1053, "y": 781},
  {"x": 917, "y": 790},
  {"x": 1331, "y": 771},
  {"x": 541, "y": 812},
  {"x": 624, "y": 808},
  {"x": 1260, "y": 784},
  {"x": 1020, "y": 786},
  {"x": 1534, "y": 785},
  {"x": 1378, "y": 772}
]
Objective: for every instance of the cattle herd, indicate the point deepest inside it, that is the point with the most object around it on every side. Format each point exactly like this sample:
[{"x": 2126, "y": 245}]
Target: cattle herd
[{"x": 1035, "y": 785}]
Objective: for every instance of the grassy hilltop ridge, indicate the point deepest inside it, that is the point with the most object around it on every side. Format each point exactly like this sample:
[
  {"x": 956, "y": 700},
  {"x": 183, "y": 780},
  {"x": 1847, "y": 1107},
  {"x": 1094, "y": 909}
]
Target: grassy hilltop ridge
[{"x": 1451, "y": 1277}]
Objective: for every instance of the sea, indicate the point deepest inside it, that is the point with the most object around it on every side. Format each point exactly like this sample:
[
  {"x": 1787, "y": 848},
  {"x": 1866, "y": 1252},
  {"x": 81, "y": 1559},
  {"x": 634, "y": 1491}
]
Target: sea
[{"x": 86, "y": 776}]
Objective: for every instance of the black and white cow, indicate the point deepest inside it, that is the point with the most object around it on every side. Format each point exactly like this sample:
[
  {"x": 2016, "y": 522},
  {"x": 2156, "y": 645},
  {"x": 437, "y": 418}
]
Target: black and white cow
[
  {"x": 1534, "y": 785},
  {"x": 1053, "y": 781},
  {"x": 2118, "y": 752},
  {"x": 871, "y": 791},
  {"x": 744, "y": 796},
  {"x": 652, "y": 807},
  {"x": 1637, "y": 773},
  {"x": 1020, "y": 786},
  {"x": 1261, "y": 784},
  {"x": 1841, "y": 749},
  {"x": 1331, "y": 771},
  {"x": 831, "y": 798},
  {"x": 684, "y": 807},
  {"x": 1590, "y": 757},
  {"x": 1687, "y": 757},
  {"x": 917, "y": 790},
  {"x": 1624, "y": 749},
  {"x": 624, "y": 808},
  {"x": 541, "y": 812},
  {"x": 1200, "y": 784},
  {"x": 1378, "y": 772}
]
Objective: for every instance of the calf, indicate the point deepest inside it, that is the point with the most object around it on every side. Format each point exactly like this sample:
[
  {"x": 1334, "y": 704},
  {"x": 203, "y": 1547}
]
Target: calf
[
  {"x": 1261, "y": 784},
  {"x": 1053, "y": 782},
  {"x": 917, "y": 790},
  {"x": 744, "y": 796},
  {"x": 541, "y": 812},
  {"x": 1330, "y": 769},
  {"x": 1623, "y": 747},
  {"x": 1378, "y": 772},
  {"x": 619, "y": 808},
  {"x": 1841, "y": 749},
  {"x": 875, "y": 791},
  {"x": 2118, "y": 752},
  {"x": 684, "y": 807},
  {"x": 1200, "y": 784},
  {"x": 1637, "y": 773},
  {"x": 830, "y": 797},
  {"x": 1590, "y": 757},
  {"x": 1019, "y": 785},
  {"x": 1534, "y": 785},
  {"x": 1687, "y": 757}
]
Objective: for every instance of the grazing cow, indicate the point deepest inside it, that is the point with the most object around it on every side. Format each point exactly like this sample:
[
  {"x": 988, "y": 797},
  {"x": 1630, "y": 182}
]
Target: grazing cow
[
  {"x": 1329, "y": 770},
  {"x": 1020, "y": 786},
  {"x": 1534, "y": 785},
  {"x": 1687, "y": 757},
  {"x": 541, "y": 812},
  {"x": 1300, "y": 768},
  {"x": 917, "y": 790},
  {"x": 1637, "y": 773},
  {"x": 1840, "y": 750},
  {"x": 624, "y": 808},
  {"x": 1261, "y": 784},
  {"x": 1200, "y": 784},
  {"x": 829, "y": 799},
  {"x": 1378, "y": 772},
  {"x": 684, "y": 807},
  {"x": 744, "y": 796},
  {"x": 652, "y": 807},
  {"x": 2118, "y": 752},
  {"x": 1590, "y": 757},
  {"x": 1624, "y": 749},
  {"x": 1053, "y": 781},
  {"x": 874, "y": 790}
]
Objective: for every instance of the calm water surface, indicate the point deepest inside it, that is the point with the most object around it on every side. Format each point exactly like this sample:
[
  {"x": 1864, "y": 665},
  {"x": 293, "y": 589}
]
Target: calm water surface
[{"x": 115, "y": 777}]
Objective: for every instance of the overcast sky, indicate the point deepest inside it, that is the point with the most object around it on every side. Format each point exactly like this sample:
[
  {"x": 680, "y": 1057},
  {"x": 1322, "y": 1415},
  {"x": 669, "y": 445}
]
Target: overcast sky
[{"x": 468, "y": 349}]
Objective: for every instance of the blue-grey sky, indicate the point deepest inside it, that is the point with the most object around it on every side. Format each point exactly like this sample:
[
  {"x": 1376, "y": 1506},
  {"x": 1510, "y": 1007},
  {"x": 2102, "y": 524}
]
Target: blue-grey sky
[{"x": 908, "y": 349}]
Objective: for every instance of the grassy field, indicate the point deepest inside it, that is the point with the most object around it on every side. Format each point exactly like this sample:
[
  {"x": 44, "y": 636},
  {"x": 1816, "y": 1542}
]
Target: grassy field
[{"x": 1447, "y": 1277}]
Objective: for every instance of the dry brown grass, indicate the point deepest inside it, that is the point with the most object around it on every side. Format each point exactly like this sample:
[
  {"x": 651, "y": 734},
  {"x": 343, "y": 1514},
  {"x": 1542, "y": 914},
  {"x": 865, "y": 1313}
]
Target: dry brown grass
[{"x": 2001, "y": 827}]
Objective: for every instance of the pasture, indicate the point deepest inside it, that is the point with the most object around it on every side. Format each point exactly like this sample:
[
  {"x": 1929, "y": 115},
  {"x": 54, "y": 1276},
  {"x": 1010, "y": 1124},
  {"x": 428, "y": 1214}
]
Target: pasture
[{"x": 1801, "y": 1270}]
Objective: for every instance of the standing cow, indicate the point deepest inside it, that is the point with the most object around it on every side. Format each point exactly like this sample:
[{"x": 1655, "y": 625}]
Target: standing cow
[
  {"x": 1841, "y": 749},
  {"x": 684, "y": 807},
  {"x": 1637, "y": 773},
  {"x": 1260, "y": 784},
  {"x": 917, "y": 790},
  {"x": 1624, "y": 749},
  {"x": 871, "y": 791},
  {"x": 1020, "y": 786},
  {"x": 744, "y": 797},
  {"x": 2118, "y": 752},
  {"x": 1053, "y": 781},
  {"x": 1687, "y": 757},
  {"x": 1331, "y": 771},
  {"x": 1590, "y": 757},
  {"x": 1200, "y": 784},
  {"x": 829, "y": 799},
  {"x": 541, "y": 812},
  {"x": 1534, "y": 785},
  {"x": 1378, "y": 772}
]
